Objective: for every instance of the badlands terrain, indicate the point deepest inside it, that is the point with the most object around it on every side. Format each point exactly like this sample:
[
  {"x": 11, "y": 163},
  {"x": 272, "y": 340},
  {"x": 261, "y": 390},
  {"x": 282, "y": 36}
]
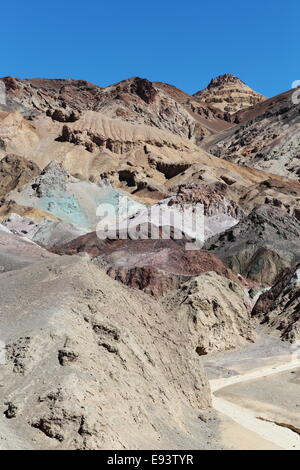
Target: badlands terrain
[{"x": 111, "y": 339}]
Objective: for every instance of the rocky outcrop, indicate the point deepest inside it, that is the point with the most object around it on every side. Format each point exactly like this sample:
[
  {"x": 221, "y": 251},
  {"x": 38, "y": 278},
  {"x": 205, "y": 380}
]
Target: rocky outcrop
[
  {"x": 215, "y": 310},
  {"x": 135, "y": 100},
  {"x": 95, "y": 146},
  {"x": 87, "y": 359},
  {"x": 144, "y": 89},
  {"x": 15, "y": 171},
  {"x": 279, "y": 307},
  {"x": 93, "y": 141},
  {"x": 266, "y": 137},
  {"x": 63, "y": 115},
  {"x": 46, "y": 95},
  {"x": 261, "y": 245},
  {"x": 283, "y": 194},
  {"x": 229, "y": 93}
]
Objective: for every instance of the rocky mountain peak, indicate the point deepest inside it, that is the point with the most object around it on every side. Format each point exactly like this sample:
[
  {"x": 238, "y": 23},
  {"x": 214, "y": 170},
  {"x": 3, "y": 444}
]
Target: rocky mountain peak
[
  {"x": 229, "y": 93},
  {"x": 221, "y": 80}
]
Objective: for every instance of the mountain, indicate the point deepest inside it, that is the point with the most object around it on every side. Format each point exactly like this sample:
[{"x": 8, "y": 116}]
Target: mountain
[
  {"x": 266, "y": 137},
  {"x": 135, "y": 100},
  {"x": 105, "y": 338},
  {"x": 229, "y": 94}
]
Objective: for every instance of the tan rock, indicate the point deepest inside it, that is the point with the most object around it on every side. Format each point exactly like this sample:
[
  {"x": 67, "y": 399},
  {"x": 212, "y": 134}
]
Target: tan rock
[{"x": 215, "y": 310}]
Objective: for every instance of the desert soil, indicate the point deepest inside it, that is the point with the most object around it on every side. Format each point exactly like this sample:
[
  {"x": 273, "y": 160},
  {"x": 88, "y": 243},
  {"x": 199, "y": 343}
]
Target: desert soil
[{"x": 261, "y": 414}]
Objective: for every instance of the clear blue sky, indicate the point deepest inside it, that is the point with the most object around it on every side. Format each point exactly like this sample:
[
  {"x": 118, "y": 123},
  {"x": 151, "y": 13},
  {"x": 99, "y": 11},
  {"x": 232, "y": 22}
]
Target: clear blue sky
[{"x": 184, "y": 43}]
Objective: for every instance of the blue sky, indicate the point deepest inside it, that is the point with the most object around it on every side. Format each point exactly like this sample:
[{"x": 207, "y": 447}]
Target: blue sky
[{"x": 184, "y": 43}]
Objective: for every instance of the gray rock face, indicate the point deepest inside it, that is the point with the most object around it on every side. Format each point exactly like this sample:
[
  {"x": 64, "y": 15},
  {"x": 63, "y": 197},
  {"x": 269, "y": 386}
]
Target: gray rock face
[
  {"x": 279, "y": 308},
  {"x": 261, "y": 245},
  {"x": 266, "y": 137}
]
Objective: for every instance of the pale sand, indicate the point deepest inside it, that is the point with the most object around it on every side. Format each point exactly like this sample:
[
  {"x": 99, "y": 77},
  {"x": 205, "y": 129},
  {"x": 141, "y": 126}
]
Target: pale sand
[{"x": 279, "y": 436}]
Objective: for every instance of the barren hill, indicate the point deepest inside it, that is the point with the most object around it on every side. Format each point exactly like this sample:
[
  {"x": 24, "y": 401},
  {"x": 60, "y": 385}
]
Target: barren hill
[
  {"x": 228, "y": 93},
  {"x": 102, "y": 337},
  {"x": 266, "y": 137}
]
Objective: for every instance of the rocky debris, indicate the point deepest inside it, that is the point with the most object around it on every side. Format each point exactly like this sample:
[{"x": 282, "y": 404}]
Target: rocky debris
[
  {"x": 279, "y": 307},
  {"x": 17, "y": 352},
  {"x": 228, "y": 93},
  {"x": 215, "y": 310},
  {"x": 53, "y": 178},
  {"x": 63, "y": 115},
  {"x": 261, "y": 245},
  {"x": 132, "y": 365},
  {"x": 15, "y": 171}
]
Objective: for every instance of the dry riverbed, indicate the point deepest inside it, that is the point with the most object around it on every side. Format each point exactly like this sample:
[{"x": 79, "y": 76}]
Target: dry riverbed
[{"x": 256, "y": 390}]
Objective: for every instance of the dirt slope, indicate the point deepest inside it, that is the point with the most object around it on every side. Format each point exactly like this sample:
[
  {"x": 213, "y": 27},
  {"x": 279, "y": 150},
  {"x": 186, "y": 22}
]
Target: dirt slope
[{"x": 85, "y": 364}]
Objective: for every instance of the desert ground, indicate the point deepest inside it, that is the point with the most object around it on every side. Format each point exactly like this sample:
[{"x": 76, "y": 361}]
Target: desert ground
[{"x": 257, "y": 388}]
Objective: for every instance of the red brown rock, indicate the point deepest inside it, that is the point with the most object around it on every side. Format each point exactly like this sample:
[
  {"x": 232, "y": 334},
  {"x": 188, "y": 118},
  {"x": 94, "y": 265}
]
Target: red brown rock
[{"x": 155, "y": 266}]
